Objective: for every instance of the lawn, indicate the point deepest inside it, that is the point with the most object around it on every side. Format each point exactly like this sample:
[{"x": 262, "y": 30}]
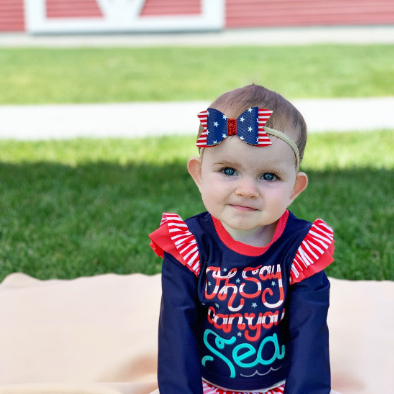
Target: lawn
[
  {"x": 33, "y": 76},
  {"x": 86, "y": 207}
]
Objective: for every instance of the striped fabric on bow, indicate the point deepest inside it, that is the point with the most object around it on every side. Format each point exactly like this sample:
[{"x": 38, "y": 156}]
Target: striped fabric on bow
[{"x": 249, "y": 127}]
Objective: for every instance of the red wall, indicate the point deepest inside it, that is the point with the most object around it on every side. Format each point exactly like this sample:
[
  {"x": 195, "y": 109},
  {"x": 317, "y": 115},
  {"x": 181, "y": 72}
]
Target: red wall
[
  {"x": 12, "y": 15},
  {"x": 262, "y": 13},
  {"x": 239, "y": 13},
  {"x": 73, "y": 9},
  {"x": 171, "y": 7}
]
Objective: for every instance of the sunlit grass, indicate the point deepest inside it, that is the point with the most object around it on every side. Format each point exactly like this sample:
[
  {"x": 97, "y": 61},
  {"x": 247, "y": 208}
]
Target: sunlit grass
[
  {"x": 85, "y": 207},
  {"x": 39, "y": 75}
]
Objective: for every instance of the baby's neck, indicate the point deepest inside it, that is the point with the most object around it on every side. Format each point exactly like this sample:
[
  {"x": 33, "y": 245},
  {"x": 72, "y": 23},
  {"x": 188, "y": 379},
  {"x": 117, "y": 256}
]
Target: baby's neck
[{"x": 258, "y": 236}]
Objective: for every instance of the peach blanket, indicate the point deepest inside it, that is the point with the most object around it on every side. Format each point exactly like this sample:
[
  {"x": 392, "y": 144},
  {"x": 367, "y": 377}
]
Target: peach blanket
[{"x": 98, "y": 335}]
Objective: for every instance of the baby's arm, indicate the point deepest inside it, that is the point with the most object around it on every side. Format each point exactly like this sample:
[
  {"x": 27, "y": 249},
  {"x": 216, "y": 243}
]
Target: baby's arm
[
  {"x": 308, "y": 350},
  {"x": 179, "y": 366},
  {"x": 309, "y": 371}
]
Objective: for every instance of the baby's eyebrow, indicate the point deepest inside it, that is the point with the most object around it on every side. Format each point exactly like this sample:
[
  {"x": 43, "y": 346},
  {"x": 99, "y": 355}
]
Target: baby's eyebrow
[
  {"x": 273, "y": 167},
  {"x": 227, "y": 163}
]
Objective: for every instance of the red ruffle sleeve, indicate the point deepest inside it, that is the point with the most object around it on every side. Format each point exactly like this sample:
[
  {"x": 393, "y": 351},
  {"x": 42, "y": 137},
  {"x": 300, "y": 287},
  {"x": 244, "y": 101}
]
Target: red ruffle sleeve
[
  {"x": 315, "y": 252},
  {"x": 173, "y": 236}
]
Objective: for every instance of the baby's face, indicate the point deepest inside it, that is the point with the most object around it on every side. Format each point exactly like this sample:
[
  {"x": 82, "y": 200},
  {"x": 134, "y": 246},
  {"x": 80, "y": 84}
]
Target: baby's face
[{"x": 247, "y": 187}]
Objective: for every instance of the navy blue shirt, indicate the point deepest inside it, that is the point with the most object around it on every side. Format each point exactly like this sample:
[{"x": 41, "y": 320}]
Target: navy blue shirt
[{"x": 239, "y": 324}]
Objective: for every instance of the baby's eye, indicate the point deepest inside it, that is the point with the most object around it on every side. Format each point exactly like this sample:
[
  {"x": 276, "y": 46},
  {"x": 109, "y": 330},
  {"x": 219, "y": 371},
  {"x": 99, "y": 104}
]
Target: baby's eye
[
  {"x": 268, "y": 176},
  {"x": 229, "y": 171}
]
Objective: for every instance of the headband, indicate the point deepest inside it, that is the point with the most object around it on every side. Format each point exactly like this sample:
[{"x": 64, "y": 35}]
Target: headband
[{"x": 249, "y": 127}]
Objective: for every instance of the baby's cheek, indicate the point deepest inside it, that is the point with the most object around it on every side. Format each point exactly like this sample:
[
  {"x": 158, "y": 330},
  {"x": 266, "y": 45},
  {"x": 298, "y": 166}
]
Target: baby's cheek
[
  {"x": 208, "y": 201},
  {"x": 280, "y": 198}
]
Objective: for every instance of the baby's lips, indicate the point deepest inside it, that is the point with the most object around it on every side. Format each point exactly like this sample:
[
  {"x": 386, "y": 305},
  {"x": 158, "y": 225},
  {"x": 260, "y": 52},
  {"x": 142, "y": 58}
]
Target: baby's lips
[{"x": 243, "y": 207}]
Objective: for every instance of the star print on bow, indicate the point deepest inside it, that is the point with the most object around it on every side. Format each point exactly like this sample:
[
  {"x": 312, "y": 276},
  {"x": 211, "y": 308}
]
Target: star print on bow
[{"x": 249, "y": 127}]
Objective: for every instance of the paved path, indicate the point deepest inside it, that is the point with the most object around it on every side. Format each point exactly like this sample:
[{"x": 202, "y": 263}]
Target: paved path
[
  {"x": 31, "y": 122},
  {"x": 267, "y": 36}
]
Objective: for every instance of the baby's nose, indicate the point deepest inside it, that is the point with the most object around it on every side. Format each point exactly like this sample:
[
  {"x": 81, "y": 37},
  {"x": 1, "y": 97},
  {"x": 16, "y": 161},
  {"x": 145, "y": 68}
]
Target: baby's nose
[{"x": 247, "y": 187}]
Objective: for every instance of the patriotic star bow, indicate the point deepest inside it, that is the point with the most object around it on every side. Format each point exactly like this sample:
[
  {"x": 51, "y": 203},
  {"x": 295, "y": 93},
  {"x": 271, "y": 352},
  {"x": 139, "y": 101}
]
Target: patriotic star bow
[{"x": 249, "y": 127}]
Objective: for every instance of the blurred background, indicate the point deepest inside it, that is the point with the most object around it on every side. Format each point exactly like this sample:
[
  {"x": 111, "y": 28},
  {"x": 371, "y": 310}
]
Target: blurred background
[
  {"x": 72, "y": 16},
  {"x": 98, "y": 104}
]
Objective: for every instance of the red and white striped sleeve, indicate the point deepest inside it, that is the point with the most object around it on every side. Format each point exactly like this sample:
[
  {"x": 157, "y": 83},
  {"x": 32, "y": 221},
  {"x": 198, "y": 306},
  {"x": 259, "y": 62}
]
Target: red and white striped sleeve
[
  {"x": 173, "y": 236},
  {"x": 315, "y": 252}
]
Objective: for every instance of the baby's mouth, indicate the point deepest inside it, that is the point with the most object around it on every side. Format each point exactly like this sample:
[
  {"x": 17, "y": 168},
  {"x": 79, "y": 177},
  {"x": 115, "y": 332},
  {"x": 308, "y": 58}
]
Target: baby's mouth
[{"x": 243, "y": 208}]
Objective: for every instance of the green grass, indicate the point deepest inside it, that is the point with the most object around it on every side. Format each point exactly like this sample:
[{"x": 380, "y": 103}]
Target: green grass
[
  {"x": 85, "y": 207},
  {"x": 164, "y": 74}
]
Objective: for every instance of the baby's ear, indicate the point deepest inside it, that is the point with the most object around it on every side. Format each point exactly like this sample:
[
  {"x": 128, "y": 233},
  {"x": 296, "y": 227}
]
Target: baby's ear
[
  {"x": 300, "y": 185},
  {"x": 194, "y": 168}
]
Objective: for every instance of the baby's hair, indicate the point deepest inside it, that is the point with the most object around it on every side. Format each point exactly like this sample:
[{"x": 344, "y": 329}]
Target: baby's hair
[{"x": 236, "y": 101}]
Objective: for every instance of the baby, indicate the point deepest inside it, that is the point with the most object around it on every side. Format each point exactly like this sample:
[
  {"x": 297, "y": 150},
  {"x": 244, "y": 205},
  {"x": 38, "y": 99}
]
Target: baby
[{"x": 245, "y": 297}]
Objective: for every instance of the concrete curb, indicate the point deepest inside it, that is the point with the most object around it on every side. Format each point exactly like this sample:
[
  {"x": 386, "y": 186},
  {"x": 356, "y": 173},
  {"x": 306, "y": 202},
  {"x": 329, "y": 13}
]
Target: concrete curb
[{"x": 263, "y": 37}]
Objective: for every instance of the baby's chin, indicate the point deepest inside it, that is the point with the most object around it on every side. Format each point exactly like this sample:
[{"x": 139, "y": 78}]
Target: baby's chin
[
  {"x": 240, "y": 226},
  {"x": 244, "y": 226}
]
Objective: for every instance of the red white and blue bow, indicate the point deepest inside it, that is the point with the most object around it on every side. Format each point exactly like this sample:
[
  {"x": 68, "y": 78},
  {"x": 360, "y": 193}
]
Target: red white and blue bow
[{"x": 249, "y": 127}]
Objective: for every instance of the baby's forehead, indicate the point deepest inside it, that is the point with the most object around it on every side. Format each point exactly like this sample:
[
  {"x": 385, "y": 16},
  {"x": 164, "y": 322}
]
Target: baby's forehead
[{"x": 233, "y": 151}]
